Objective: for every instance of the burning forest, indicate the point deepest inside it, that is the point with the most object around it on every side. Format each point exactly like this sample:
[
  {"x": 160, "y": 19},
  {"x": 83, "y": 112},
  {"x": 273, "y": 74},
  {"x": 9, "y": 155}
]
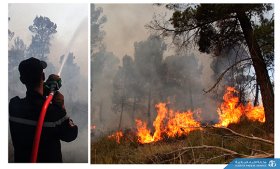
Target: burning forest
[
  {"x": 172, "y": 127},
  {"x": 173, "y": 91},
  {"x": 170, "y": 123}
]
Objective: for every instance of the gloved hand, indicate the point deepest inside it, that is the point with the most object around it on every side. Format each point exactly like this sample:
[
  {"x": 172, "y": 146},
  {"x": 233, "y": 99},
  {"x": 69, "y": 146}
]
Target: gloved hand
[
  {"x": 52, "y": 83},
  {"x": 58, "y": 99}
]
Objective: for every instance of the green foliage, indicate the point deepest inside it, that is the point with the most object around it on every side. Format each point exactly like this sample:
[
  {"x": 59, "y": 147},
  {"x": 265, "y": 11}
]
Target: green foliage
[
  {"x": 264, "y": 33},
  {"x": 215, "y": 26}
]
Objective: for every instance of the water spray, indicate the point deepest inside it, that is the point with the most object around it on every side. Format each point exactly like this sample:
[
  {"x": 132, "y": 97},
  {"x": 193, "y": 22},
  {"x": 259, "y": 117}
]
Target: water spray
[
  {"x": 66, "y": 53},
  {"x": 52, "y": 86}
]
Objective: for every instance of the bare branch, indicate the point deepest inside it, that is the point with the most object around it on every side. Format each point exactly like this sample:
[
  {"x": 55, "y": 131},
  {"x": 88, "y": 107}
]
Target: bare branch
[
  {"x": 222, "y": 75},
  {"x": 248, "y": 137},
  {"x": 219, "y": 156},
  {"x": 227, "y": 151},
  {"x": 252, "y": 149}
]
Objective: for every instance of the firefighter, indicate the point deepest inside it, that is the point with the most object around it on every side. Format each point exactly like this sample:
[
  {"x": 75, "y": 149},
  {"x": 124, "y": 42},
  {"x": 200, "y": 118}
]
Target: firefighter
[{"x": 24, "y": 113}]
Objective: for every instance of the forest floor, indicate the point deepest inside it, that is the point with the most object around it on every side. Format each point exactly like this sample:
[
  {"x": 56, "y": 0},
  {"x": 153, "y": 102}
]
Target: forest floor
[{"x": 207, "y": 146}]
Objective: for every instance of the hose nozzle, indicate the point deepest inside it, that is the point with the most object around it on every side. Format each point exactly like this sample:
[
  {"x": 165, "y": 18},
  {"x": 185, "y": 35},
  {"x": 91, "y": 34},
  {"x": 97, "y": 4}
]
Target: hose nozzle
[{"x": 53, "y": 83}]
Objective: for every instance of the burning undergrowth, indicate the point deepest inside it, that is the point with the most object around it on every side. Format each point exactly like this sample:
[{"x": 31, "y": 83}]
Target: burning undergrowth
[
  {"x": 170, "y": 123},
  {"x": 182, "y": 137},
  {"x": 167, "y": 122},
  {"x": 199, "y": 146}
]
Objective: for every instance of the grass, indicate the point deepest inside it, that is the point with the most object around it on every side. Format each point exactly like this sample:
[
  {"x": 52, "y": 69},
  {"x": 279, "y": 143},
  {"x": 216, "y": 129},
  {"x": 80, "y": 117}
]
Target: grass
[{"x": 167, "y": 151}]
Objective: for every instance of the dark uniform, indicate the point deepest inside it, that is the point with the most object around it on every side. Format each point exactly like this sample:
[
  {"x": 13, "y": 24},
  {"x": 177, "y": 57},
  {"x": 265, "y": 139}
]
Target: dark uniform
[{"x": 23, "y": 117}]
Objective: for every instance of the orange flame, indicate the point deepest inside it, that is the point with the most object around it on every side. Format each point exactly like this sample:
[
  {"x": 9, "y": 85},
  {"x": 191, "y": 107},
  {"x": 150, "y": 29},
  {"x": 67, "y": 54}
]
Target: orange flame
[
  {"x": 167, "y": 122},
  {"x": 255, "y": 113},
  {"x": 92, "y": 127},
  {"x": 181, "y": 124},
  {"x": 172, "y": 124},
  {"x": 144, "y": 134},
  {"x": 231, "y": 110},
  {"x": 116, "y": 136}
]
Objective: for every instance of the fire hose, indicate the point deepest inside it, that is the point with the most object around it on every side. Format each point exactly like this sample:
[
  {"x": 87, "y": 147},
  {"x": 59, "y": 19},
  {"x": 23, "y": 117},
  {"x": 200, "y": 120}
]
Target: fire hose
[{"x": 51, "y": 85}]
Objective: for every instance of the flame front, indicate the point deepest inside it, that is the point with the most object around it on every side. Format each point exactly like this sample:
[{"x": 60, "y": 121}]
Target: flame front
[
  {"x": 167, "y": 123},
  {"x": 144, "y": 134},
  {"x": 230, "y": 111},
  {"x": 255, "y": 113},
  {"x": 181, "y": 124},
  {"x": 172, "y": 123},
  {"x": 116, "y": 136}
]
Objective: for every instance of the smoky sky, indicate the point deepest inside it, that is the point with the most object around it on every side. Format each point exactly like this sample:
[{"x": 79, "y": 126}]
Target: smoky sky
[
  {"x": 68, "y": 17},
  {"x": 126, "y": 25}
]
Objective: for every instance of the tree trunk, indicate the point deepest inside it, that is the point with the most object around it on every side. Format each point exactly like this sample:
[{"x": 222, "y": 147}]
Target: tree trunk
[
  {"x": 256, "y": 102},
  {"x": 101, "y": 111},
  {"x": 190, "y": 93},
  {"x": 133, "y": 111},
  {"x": 122, "y": 105},
  {"x": 122, "y": 100},
  {"x": 260, "y": 69},
  {"x": 149, "y": 107}
]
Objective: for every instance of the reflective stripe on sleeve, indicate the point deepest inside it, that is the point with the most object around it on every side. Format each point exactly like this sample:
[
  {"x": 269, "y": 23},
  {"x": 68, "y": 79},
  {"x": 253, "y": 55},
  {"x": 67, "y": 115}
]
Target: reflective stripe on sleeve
[{"x": 34, "y": 123}]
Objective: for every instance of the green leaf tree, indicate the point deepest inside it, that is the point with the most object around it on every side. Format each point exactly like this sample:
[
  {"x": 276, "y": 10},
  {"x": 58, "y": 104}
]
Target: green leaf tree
[{"x": 215, "y": 27}]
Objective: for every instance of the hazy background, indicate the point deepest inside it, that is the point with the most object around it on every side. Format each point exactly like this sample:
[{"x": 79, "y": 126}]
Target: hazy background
[
  {"x": 68, "y": 17},
  {"x": 124, "y": 27}
]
